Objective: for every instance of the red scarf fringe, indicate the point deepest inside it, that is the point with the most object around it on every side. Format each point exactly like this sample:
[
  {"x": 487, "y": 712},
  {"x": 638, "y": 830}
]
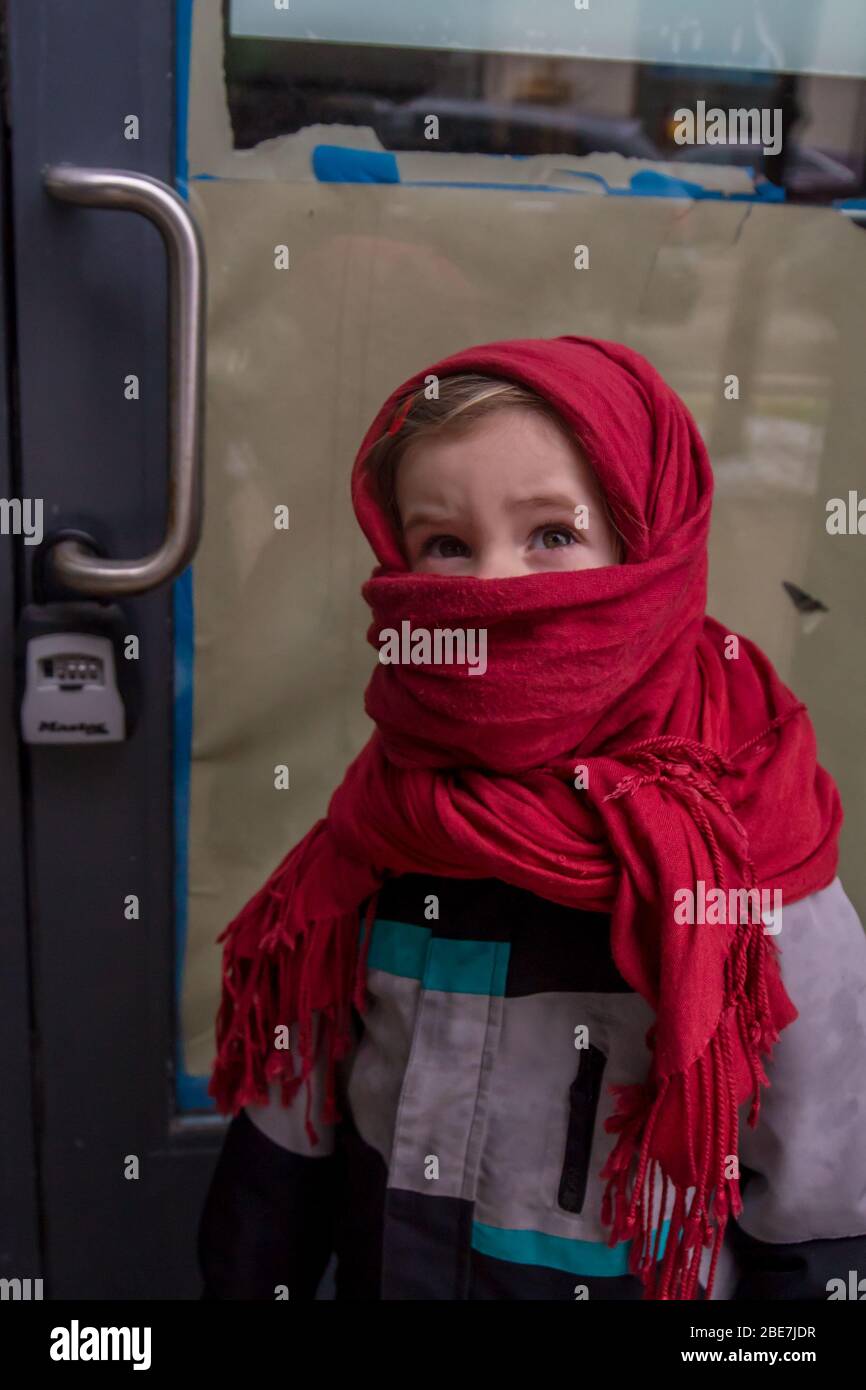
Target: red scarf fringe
[{"x": 279, "y": 970}]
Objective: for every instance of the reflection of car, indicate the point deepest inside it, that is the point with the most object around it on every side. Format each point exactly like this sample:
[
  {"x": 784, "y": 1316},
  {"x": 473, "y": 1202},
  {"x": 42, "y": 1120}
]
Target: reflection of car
[
  {"x": 484, "y": 127},
  {"x": 808, "y": 172}
]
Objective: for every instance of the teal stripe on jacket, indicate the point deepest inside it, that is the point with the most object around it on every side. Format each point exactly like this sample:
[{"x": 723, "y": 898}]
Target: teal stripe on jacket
[
  {"x": 454, "y": 966},
  {"x": 587, "y": 1257}
]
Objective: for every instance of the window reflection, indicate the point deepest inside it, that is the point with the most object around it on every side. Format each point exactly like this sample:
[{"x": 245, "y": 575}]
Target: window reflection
[{"x": 500, "y": 103}]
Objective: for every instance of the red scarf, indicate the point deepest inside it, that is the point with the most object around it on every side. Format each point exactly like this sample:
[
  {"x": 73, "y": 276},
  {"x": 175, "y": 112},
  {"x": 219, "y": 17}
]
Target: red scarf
[{"x": 698, "y": 766}]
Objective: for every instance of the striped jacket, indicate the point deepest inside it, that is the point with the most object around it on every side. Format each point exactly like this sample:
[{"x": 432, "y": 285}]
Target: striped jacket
[{"x": 466, "y": 1165}]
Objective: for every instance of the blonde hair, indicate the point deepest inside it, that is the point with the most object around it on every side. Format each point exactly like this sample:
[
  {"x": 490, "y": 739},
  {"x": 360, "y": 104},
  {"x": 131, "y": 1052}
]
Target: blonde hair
[{"x": 463, "y": 400}]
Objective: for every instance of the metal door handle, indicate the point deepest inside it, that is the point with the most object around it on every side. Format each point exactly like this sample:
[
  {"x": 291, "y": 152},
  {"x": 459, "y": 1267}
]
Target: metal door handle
[{"x": 73, "y": 564}]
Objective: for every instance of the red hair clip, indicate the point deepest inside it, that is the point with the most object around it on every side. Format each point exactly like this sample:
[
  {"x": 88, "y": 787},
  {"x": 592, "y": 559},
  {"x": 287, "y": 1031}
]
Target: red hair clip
[{"x": 402, "y": 412}]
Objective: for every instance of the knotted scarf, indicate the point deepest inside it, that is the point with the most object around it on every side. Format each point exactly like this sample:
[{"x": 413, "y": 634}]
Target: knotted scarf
[{"x": 619, "y": 747}]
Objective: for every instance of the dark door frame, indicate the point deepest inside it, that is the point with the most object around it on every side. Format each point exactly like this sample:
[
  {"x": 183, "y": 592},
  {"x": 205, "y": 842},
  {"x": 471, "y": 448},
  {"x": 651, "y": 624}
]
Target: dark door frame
[
  {"x": 86, "y": 304},
  {"x": 20, "y": 1246}
]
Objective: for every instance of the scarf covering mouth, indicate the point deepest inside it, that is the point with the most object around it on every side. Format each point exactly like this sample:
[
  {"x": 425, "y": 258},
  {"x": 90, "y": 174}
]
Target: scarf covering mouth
[{"x": 612, "y": 753}]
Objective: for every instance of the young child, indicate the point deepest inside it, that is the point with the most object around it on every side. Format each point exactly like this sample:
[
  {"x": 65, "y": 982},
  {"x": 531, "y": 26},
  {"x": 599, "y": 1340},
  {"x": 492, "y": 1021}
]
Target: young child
[{"x": 579, "y": 887}]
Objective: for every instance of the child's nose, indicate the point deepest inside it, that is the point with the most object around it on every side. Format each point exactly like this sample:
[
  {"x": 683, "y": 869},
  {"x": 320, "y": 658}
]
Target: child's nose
[{"x": 498, "y": 562}]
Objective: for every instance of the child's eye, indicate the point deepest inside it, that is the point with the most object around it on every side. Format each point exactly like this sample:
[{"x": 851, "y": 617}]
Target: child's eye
[
  {"x": 445, "y": 547},
  {"x": 555, "y": 537}
]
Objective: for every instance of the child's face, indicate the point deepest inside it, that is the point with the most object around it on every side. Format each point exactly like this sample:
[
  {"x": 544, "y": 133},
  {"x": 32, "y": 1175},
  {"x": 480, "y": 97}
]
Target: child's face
[{"x": 505, "y": 499}]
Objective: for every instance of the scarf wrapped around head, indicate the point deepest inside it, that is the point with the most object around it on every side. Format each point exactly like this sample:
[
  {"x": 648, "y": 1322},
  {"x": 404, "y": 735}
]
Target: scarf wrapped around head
[{"x": 618, "y": 748}]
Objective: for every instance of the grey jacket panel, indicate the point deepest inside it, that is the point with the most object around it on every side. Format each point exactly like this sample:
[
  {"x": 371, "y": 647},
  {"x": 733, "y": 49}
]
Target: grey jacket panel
[
  {"x": 808, "y": 1149},
  {"x": 469, "y": 1094}
]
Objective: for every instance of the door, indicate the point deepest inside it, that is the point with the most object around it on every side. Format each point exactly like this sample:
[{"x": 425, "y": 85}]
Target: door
[{"x": 105, "y": 1180}]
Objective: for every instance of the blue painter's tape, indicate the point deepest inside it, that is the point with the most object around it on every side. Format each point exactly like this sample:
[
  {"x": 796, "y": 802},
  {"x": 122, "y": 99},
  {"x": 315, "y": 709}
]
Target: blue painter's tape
[
  {"x": 765, "y": 192},
  {"x": 184, "y": 624},
  {"x": 587, "y": 174},
  {"x": 651, "y": 183},
  {"x": 510, "y": 187},
  {"x": 183, "y": 46},
  {"x": 337, "y": 164},
  {"x": 190, "y": 1091}
]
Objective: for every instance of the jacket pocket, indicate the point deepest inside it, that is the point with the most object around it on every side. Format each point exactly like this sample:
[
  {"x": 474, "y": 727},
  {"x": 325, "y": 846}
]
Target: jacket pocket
[{"x": 583, "y": 1098}]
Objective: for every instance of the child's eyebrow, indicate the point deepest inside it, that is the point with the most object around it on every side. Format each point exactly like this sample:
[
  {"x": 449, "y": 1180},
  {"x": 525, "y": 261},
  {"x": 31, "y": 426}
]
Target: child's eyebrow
[
  {"x": 552, "y": 501},
  {"x": 442, "y": 518}
]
